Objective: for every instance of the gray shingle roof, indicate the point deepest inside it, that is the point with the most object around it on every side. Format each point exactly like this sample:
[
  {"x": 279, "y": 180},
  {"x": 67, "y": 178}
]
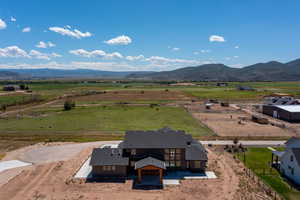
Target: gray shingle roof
[
  {"x": 108, "y": 156},
  {"x": 195, "y": 152},
  {"x": 162, "y": 138},
  {"x": 150, "y": 161}
]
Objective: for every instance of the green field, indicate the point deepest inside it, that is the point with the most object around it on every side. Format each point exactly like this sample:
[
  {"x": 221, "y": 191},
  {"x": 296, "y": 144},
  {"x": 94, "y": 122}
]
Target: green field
[
  {"x": 109, "y": 119},
  {"x": 258, "y": 159}
]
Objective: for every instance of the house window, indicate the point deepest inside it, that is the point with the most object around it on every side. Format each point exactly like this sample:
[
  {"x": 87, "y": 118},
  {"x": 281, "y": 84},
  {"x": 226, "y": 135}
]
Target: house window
[
  {"x": 167, "y": 157},
  {"x": 109, "y": 168},
  {"x": 292, "y": 171},
  {"x": 132, "y": 163},
  {"x": 292, "y": 158},
  {"x": 172, "y": 154},
  {"x": 178, "y": 164},
  {"x": 172, "y": 163},
  {"x": 133, "y": 151},
  {"x": 197, "y": 164}
]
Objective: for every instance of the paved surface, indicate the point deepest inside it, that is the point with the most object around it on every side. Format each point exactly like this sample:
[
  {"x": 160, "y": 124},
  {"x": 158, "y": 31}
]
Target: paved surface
[
  {"x": 262, "y": 143},
  {"x": 85, "y": 170},
  {"x": 171, "y": 182},
  {"x": 57, "y": 153},
  {"x": 5, "y": 165},
  {"x": 177, "y": 175}
]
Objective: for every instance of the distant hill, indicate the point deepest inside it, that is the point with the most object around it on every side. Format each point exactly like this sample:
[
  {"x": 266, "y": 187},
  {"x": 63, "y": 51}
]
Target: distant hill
[
  {"x": 8, "y": 75},
  {"x": 270, "y": 71},
  {"x": 62, "y": 73}
]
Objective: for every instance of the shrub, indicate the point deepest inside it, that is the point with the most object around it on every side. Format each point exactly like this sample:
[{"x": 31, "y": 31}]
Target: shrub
[
  {"x": 3, "y": 107},
  {"x": 69, "y": 104}
]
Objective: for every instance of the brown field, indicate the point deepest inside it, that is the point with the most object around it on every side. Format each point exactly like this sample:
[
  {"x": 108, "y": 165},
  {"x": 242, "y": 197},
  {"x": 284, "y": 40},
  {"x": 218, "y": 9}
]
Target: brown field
[
  {"x": 136, "y": 95},
  {"x": 54, "y": 181},
  {"x": 224, "y": 121}
]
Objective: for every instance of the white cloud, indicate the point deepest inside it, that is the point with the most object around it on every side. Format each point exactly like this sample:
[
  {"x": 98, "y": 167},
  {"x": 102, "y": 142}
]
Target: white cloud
[
  {"x": 2, "y": 24},
  {"x": 13, "y": 52},
  {"x": 44, "y": 56},
  {"x": 16, "y": 52},
  {"x": 175, "y": 49},
  {"x": 163, "y": 60},
  {"x": 196, "y": 53},
  {"x": 95, "y": 54},
  {"x": 235, "y": 56},
  {"x": 236, "y": 47},
  {"x": 71, "y": 33},
  {"x": 13, "y": 19},
  {"x": 134, "y": 58},
  {"x": 26, "y": 30},
  {"x": 44, "y": 45},
  {"x": 216, "y": 38},
  {"x": 120, "y": 40}
]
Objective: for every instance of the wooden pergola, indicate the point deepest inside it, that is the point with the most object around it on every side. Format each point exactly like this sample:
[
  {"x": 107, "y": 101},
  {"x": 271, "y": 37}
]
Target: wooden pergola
[
  {"x": 150, "y": 166},
  {"x": 150, "y": 170}
]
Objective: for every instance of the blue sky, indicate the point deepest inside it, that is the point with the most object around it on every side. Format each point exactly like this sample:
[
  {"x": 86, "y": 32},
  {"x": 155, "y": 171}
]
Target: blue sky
[{"x": 147, "y": 35}]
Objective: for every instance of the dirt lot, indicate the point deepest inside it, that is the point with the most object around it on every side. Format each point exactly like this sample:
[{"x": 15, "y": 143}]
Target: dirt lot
[
  {"x": 54, "y": 181},
  {"x": 227, "y": 121},
  {"x": 129, "y": 95}
]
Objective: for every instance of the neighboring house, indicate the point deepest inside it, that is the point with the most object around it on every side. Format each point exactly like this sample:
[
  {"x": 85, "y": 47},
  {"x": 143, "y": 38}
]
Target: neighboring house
[
  {"x": 10, "y": 87},
  {"x": 290, "y": 113},
  {"x": 245, "y": 88},
  {"x": 150, "y": 153},
  {"x": 289, "y": 164}
]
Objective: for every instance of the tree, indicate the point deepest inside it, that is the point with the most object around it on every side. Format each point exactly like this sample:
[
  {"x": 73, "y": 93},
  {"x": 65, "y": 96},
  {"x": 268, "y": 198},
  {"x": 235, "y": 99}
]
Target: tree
[
  {"x": 3, "y": 107},
  {"x": 69, "y": 104}
]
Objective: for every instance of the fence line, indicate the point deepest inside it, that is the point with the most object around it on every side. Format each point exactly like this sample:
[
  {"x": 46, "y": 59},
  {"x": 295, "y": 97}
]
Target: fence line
[{"x": 266, "y": 188}]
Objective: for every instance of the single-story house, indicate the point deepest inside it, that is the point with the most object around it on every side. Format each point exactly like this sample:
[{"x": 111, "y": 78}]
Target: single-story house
[
  {"x": 152, "y": 153},
  {"x": 11, "y": 87},
  {"x": 290, "y": 113},
  {"x": 288, "y": 161}
]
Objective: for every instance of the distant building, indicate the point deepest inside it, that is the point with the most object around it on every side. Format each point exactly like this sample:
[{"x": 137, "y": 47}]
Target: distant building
[
  {"x": 280, "y": 100},
  {"x": 245, "y": 88},
  {"x": 288, "y": 161},
  {"x": 149, "y": 153},
  {"x": 11, "y": 87},
  {"x": 290, "y": 113},
  {"x": 222, "y": 84}
]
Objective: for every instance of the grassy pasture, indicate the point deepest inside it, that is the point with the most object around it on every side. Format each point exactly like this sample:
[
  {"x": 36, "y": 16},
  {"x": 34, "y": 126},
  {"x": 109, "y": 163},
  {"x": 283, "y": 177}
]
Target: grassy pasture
[
  {"x": 108, "y": 119},
  {"x": 259, "y": 158}
]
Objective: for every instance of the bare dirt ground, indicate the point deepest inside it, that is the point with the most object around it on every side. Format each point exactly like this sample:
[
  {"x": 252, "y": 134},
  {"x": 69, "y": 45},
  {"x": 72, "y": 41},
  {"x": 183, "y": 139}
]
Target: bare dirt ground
[
  {"x": 228, "y": 121},
  {"x": 128, "y": 95},
  {"x": 54, "y": 181}
]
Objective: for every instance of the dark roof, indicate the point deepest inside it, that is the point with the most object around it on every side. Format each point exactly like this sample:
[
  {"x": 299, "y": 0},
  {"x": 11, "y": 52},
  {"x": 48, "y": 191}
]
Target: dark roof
[
  {"x": 296, "y": 152},
  {"x": 150, "y": 161},
  {"x": 292, "y": 140},
  {"x": 195, "y": 152},
  {"x": 162, "y": 138},
  {"x": 108, "y": 156}
]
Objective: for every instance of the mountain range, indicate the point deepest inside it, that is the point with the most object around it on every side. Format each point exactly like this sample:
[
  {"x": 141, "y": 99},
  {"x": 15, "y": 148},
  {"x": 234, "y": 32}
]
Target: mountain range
[{"x": 270, "y": 71}]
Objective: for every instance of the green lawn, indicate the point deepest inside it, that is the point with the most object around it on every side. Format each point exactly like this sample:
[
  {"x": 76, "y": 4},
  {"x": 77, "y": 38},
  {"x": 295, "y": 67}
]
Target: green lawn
[
  {"x": 258, "y": 159},
  {"x": 110, "y": 119}
]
